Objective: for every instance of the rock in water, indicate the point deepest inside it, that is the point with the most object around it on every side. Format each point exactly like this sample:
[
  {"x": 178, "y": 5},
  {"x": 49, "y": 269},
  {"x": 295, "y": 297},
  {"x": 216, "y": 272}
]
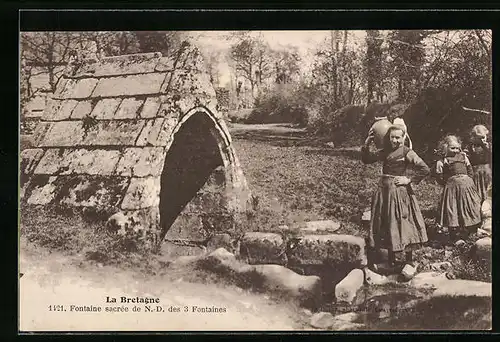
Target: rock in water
[
  {"x": 346, "y": 290},
  {"x": 322, "y": 320}
]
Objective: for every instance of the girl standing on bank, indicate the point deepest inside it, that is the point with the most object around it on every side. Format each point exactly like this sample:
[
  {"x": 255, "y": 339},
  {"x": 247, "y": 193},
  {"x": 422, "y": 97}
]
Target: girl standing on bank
[
  {"x": 460, "y": 206},
  {"x": 396, "y": 222},
  {"x": 479, "y": 152}
]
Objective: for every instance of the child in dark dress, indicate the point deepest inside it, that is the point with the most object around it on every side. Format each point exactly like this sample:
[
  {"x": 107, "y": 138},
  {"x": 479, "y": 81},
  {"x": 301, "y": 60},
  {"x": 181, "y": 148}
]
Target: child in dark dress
[
  {"x": 396, "y": 222},
  {"x": 460, "y": 205},
  {"x": 479, "y": 152}
]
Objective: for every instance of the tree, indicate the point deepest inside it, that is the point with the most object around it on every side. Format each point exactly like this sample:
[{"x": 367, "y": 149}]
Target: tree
[
  {"x": 286, "y": 63},
  {"x": 49, "y": 50},
  {"x": 166, "y": 42},
  {"x": 373, "y": 65},
  {"x": 252, "y": 60},
  {"x": 407, "y": 51}
]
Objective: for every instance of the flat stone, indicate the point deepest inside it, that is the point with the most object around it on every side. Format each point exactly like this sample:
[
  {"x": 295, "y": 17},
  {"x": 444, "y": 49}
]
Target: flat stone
[
  {"x": 45, "y": 194},
  {"x": 346, "y": 289},
  {"x": 141, "y": 162},
  {"x": 483, "y": 248},
  {"x": 82, "y": 109},
  {"x": 63, "y": 133},
  {"x": 80, "y": 89},
  {"x": 128, "y": 108},
  {"x": 114, "y": 133},
  {"x": 150, "y": 132},
  {"x": 320, "y": 226},
  {"x": 263, "y": 248},
  {"x": 29, "y": 160},
  {"x": 331, "y": 248},
  {"x": 151, "y": 107},
  {"x": 105, "y": 109},
  {"x": 133, "y": 85},
  {"x": 322, "y": 320},
  {"x": 142, "y": 193},
  {"x": 78, "y": 161},
  {"x": 127, "y": 64}
]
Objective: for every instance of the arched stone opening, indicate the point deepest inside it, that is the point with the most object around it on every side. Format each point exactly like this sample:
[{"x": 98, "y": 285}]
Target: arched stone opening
[{"x": 197, "y": 158}]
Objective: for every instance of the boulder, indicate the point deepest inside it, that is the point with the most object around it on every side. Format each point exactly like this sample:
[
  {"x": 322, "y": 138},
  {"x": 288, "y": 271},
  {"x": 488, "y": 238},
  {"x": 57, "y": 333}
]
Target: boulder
[
  {"x": 346, "y": 326},
  {"x": 322, "y": 320},
  {"x": 483, "y": 248},
  {"x": 347, "y": 288},
  {"x": 277, "y": 278},
  {"x": 373, "y": 278},
  {"x": 327, "y": 249},
  {"x": 263, "y": 248}
]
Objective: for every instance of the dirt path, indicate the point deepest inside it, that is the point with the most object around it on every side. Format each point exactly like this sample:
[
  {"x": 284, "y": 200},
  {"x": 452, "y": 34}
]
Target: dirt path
[{"x": 56, "y": 279}]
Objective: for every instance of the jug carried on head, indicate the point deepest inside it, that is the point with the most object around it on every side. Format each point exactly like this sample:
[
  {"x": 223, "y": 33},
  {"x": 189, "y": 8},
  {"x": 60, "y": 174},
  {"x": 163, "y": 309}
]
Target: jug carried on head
[{"x": 380, "y": 128}]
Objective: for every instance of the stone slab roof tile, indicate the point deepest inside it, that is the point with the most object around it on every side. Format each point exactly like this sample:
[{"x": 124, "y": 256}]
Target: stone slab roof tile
[
  {"x": 63, "y": 133},
  {"x": 114, "y": 133},
  {"x": 150, "y": 132},
  {"x": 127, "y": 64},
  {"x": 78, "y": 161},
  {"x": 150, "y": 108},
  {"x": 80, "y": 89},
  {"x": 82, "y": 109},
  {"x": 51, "y": 107},
  {"x": 128, "y": 108},
  {"x": 29, "y": 159},
  {"x": 62, "y": 113},
  {"x": 141, "y": 162},
  {"x": 165, "y": 64},
  {"x": 133, "y": 85},
  {"x": 106, "y": 108}
]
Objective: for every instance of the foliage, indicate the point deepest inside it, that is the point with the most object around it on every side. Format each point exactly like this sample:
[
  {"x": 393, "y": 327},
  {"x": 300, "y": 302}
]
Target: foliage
[{"x": 282, "y": 104}]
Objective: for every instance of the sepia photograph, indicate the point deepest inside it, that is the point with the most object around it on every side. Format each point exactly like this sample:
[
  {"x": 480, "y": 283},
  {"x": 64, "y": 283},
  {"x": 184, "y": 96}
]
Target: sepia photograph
[{"x": 262, "y": 180}]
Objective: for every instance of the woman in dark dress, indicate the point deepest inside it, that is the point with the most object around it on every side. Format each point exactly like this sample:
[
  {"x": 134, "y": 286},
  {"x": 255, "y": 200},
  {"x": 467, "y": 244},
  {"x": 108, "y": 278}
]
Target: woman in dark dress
[{"x": 396, "y": 222}]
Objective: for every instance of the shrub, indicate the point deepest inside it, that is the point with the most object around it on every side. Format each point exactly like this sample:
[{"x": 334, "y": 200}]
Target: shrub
[{"x": 283, "y": 104}]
